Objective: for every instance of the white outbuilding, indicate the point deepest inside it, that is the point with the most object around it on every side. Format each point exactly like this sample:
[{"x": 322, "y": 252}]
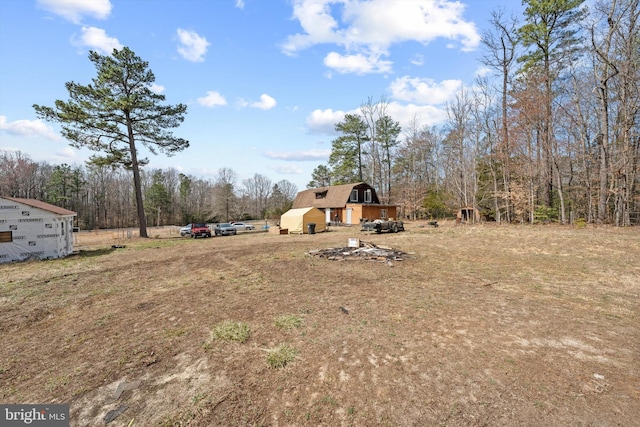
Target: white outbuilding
[
  {"x": 31, "y": 229},
  {"x": 297, "y": 221}
]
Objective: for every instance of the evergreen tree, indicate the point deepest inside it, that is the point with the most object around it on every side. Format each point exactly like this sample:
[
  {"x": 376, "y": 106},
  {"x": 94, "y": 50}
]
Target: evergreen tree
[
  {"x": 320, "y": 177},
  {"x": 114, "y": 113},
  {"x": 345, "y": 159}
]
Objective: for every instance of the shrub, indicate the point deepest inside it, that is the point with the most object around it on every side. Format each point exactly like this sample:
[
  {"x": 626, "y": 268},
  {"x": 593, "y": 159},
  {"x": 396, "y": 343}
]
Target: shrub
[{"x": 544, "y": 214}]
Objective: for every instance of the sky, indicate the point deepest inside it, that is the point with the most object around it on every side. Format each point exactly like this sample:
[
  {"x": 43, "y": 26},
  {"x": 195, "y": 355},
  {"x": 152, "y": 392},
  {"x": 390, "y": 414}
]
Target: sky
[{"x": 264, "y": 81}]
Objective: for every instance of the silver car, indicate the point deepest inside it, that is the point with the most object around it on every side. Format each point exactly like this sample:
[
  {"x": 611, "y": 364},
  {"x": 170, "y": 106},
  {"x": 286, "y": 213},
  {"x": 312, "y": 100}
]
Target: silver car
[
  {"x": 224, "y": 229},
  {"x": 186, "y": 230},
  {"x": 243, "y": 226}
]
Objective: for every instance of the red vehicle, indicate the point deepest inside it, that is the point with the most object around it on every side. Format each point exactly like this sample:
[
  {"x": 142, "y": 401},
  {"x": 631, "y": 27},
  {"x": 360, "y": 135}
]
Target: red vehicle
[{"x": 196, "y": 230}]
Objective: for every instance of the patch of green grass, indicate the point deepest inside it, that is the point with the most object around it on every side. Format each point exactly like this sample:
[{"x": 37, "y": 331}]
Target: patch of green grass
[
  {"x": 102, "y": 321},
  {"x": 288, "y": 321},
  {"x": 328, "y": 400},
  {"x": 175, "y": 332},
  {"x": 58, "y": 381},
  {"x": 280, "y": 356},
  {"x": 229, "y": 330}
]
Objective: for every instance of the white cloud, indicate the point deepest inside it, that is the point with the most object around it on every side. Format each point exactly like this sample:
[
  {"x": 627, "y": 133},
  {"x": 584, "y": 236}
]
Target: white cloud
[
  {"x": 418, "y": 59},
  {"x": 74, "y": 10},
  {"x": 156, "y": 88},
  {"x": 98, "y": 40},
  {"x": 213, "y": 99},
  {"x": 406, "y": 113},
  {"x": 66, "y": 153},
  {"x": 317, "y": 22},
  {"x": 369, "y": 28},
  {"x": 287, "y": 169},
  {"x": 358, "y": 64},
  {"x": 424, "y": 91},
  {"x": 240, "y": 4},
  {"x": 28, "y": 128},
  {"x": 324, "y": 121},
  {"x": 483, "y": 72},
  {"x": 192, "y": 46},
  {"x": 305, "y": 155},
  {"x": 266, "y": 102}
]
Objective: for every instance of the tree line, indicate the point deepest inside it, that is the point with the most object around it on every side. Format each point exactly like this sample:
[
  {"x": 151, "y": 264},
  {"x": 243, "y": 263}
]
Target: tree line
[
  {"x": 103, "y": 196},
  {"x": 551, "y": 134}
]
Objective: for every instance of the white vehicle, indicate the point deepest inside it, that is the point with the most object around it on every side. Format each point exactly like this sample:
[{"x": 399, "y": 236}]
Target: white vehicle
[{"x": 243, "y": 226}]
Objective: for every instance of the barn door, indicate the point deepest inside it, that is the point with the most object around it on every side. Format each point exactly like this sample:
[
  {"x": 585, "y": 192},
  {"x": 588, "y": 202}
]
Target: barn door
[
  {"x": 349, "y": 215},
  {"x": 327, "y": 215}
]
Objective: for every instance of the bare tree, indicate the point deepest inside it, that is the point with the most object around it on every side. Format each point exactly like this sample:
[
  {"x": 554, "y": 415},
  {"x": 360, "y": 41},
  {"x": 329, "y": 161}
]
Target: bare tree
[
  {"x": 258, "y": 188},
  {"x": 501, "y": 45},
  {"x": 225, "y": 192}
]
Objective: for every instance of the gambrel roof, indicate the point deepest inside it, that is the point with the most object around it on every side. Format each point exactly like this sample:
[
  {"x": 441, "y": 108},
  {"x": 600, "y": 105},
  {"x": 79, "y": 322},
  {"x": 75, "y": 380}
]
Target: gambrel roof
[
  {"x": 41, "y": 205},
  {"x": 336, "y": 196}
]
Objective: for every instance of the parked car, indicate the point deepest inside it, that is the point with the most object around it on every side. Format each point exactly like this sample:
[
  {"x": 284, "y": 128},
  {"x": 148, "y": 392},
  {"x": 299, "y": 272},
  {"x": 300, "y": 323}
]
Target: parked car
[
  {"x": 243, "y": 226},
  {"x": 185, "y": 230},
  {"x": 224, "y": 229},
  {"x": 196, "y": 230}
]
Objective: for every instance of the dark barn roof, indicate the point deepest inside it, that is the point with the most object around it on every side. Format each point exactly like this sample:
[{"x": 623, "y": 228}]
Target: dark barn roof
[{"x": 336, "y": 196}]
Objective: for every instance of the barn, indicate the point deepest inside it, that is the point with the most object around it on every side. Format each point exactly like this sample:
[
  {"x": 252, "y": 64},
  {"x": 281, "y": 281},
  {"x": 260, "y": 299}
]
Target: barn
[
  {"x": 346, "y": 204},
  {"x": 31, "y": 229}
]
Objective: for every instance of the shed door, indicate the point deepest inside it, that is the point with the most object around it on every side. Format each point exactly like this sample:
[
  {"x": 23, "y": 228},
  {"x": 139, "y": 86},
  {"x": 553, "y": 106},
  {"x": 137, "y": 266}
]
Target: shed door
[
  {"x": 349, "y": 215},
  {"x": 327, "y": 215}
]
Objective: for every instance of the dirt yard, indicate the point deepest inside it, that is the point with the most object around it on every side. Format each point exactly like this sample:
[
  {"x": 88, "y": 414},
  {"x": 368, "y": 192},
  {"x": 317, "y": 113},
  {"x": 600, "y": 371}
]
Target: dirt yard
[{"x": 477, "y": 325}]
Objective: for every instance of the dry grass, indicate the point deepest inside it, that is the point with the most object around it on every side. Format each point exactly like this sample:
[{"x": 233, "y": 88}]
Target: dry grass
[{"x": 485, "y": 325}]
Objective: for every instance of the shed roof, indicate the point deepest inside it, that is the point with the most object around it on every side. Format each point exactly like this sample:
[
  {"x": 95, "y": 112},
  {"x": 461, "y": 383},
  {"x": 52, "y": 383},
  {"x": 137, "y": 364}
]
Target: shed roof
[
  {"x": 297, "y": 211},
  {"x": 41, "y": 205}
]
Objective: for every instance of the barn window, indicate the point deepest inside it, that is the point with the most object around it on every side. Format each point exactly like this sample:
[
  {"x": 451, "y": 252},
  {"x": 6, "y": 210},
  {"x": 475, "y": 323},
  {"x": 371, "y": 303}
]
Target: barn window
[
  {"x": 383, "y": 213},
  {"x": 321, "y": 194},
  {"x": 354, "y": 195},
  {"x": 6, "y": 236},
  {"x": 367, "y": 195}
]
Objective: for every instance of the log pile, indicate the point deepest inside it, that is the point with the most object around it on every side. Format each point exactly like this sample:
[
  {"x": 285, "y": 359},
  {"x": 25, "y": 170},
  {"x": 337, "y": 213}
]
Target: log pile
[{"x": 366, "y": 251}]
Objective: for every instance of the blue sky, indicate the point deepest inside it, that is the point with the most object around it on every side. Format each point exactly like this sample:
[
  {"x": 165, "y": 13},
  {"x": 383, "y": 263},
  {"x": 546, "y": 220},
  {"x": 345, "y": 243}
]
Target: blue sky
[{"x": 265, "y": 81}]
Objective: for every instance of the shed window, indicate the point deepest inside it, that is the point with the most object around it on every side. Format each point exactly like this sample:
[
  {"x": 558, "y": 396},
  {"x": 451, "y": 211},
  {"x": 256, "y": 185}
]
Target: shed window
[
  {"x": 367, "y": 195},
  {"x": 6, "y": 236},
  {"x": 321, "y": 194},
  {"x": 383, "y": 213},
  {"x": 354, "y": 195}
]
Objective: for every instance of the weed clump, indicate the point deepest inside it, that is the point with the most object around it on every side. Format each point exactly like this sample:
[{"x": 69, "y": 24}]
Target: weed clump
[
  {"x": 288, "y": 321},
  {"x": 229, "y": 330},
  {"x": 280, "y": 356}
]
